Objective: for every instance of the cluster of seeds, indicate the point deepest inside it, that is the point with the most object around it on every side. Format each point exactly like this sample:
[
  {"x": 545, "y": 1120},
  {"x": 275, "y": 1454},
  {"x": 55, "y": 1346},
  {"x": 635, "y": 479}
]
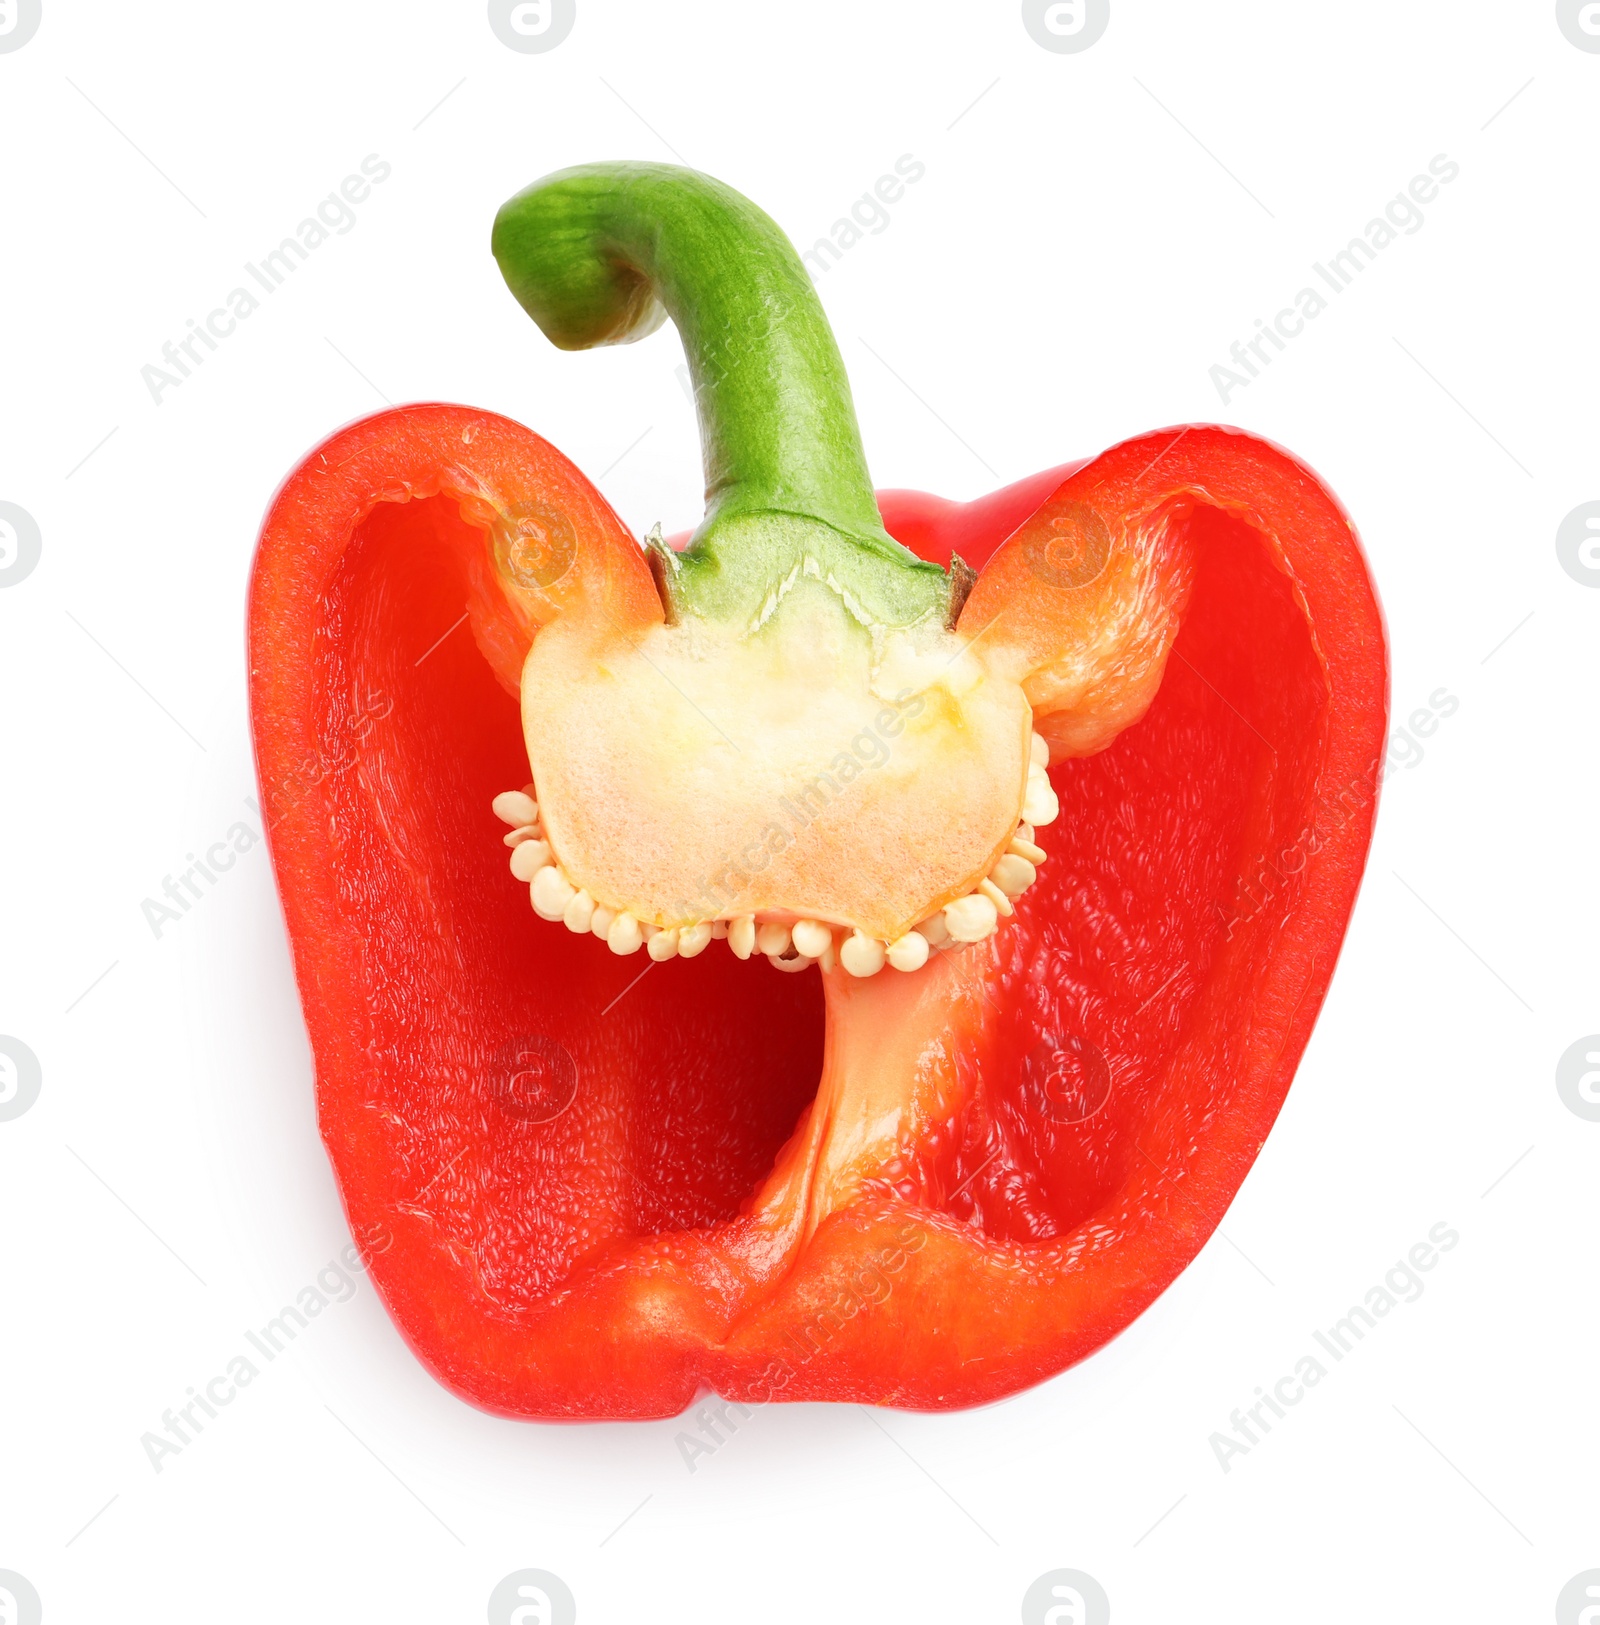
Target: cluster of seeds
[{"x": 806, "y": 942}]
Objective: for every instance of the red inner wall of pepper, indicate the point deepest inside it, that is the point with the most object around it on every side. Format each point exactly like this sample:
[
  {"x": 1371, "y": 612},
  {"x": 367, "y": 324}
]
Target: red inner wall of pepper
[
  {"x": 685, "y": 1078},
  {"x": 1119, "y": 936}
]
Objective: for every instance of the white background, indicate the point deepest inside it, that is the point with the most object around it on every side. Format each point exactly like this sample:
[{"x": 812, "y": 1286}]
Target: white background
[{"x": 1092, "y": 233}]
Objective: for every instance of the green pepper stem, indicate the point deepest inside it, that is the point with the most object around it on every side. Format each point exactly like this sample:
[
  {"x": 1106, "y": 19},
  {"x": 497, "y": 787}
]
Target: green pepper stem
[{"x": 593, "y": 254}]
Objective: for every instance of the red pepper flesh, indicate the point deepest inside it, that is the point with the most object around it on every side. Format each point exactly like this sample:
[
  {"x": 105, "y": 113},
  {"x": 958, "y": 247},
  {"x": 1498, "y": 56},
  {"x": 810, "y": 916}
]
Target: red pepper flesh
[{"x": 551, "y": 1160}]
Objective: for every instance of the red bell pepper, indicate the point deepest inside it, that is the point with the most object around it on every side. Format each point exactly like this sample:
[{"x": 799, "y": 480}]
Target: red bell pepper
[{"x": 586, "y": 1191}]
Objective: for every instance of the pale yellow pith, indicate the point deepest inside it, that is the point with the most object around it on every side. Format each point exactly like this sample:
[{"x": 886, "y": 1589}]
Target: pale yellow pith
[{"x": 805, "y": 772}]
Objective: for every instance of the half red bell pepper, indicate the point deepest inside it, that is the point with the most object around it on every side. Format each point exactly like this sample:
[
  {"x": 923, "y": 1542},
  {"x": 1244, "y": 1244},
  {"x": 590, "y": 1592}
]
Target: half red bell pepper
[{"x": 588, "y": 1191}]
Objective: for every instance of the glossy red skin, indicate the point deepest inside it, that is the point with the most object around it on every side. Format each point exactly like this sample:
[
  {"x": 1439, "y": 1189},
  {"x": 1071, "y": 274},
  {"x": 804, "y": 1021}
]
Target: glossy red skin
[{"x": 597, "y": 1264}]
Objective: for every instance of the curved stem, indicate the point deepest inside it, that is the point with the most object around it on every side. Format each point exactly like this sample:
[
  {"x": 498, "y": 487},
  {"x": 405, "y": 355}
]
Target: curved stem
[{"x": 599, "y": 254}]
